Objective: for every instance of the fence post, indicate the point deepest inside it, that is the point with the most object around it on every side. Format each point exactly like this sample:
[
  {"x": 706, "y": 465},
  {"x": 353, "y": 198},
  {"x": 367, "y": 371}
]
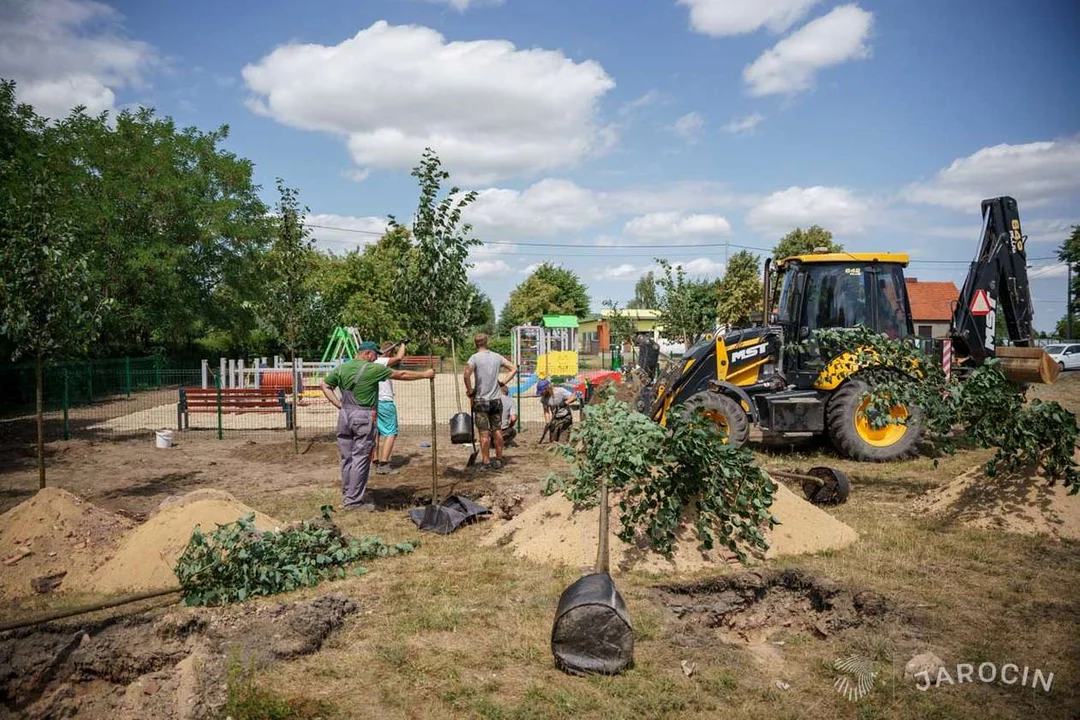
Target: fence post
[
  {"x": 67, "y": 435},
  {"x": 217, "y": 385},
  {"x": 157, "y": 370},
  {"x": 127, "y": 376},
  {"x": 519, "y": 402},
  {"x": 89, "y": 383},
  {"x": 240, "y": 373}
]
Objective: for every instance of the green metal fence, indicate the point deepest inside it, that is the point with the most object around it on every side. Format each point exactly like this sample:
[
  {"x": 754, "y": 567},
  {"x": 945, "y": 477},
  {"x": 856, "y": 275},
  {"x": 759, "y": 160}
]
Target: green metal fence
[{"x": 76, "y": 382}]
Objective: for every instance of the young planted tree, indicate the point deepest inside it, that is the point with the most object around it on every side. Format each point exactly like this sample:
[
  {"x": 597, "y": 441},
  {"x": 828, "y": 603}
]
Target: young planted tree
[
  {"x": 664, "y": 477},
  {"x": 48, "y": 304},
  {"x": 289, "y": 292},
  {"x": 687, "y": 307}
]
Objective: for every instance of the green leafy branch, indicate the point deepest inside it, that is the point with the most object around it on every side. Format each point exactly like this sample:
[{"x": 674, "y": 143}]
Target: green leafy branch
[
  {"x": 236, "y": 561},
  {"x": 667, "y": 476}
]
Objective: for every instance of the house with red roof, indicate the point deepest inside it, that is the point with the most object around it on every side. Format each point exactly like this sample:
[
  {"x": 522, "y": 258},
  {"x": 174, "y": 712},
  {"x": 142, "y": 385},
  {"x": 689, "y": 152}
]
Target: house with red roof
[{"x": 931, "y": 306}]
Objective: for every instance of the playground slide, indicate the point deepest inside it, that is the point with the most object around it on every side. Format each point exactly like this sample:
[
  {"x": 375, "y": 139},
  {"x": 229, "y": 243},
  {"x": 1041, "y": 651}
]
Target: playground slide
[{"x": 528, "y": 381}]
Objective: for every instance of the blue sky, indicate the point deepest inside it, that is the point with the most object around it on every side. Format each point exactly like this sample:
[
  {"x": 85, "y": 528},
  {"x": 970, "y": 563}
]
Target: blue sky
[{"x": 624, "y": 129}]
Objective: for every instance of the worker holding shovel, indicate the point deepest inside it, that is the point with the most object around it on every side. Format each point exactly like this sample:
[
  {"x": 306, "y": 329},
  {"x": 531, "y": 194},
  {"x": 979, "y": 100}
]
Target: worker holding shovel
[
  {"x": 483, "y": 387},
  {"x": 358, "y": 382}
]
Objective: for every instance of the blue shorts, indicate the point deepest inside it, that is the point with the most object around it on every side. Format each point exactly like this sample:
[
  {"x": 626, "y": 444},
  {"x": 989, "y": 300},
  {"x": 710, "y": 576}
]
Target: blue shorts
[{"x": 387, "y": 418}]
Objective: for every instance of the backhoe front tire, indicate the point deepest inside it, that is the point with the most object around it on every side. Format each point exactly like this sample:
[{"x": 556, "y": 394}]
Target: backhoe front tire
[
  {"x": 723, "y": 411},
  {"x": 854, "y": 439}
]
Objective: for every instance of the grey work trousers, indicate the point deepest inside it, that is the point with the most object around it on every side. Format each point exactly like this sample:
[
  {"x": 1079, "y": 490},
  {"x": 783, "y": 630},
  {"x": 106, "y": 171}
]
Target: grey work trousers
[{"x": 355, "y": 439}]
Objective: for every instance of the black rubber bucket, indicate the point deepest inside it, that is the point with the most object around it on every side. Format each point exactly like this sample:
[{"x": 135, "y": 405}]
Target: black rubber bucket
[
  {"x": 461, "y": 429},
  {"x": 592, "y": 634}
]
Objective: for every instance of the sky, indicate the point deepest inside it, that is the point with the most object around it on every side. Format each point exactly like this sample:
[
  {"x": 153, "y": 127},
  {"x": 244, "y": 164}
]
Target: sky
[{"x": 602, "y": 135}]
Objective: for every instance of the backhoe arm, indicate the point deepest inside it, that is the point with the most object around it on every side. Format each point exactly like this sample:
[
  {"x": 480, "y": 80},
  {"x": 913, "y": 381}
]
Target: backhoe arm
[{"x": 998, "y": 275}]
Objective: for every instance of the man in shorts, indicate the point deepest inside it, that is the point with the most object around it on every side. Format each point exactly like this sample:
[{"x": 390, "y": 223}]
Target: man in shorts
[
  {"x": 387, "y": 422},
  {"x": 484, "y": 388},
  {"x": 358, "y": 382}
]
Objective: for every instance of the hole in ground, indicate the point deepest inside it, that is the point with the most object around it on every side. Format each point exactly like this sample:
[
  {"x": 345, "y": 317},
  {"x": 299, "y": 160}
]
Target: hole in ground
[{"x": 749, "y": 608}]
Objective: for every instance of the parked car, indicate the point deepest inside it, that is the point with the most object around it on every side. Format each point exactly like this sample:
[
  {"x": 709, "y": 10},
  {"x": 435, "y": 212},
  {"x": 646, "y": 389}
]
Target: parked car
[{"x": 1066, "y": 356}]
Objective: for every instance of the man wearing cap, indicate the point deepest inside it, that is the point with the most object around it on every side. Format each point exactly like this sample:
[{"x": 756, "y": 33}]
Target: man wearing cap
[{"x": 358, "y": 382}]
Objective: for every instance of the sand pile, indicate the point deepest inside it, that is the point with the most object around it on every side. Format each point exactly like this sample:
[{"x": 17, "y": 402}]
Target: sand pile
[
  {"x": 53, "y": 532},
  {"x": 1027, "y": 505},
  {"x": 145, "y": 557},
  {"x": 551, "y": 531}
]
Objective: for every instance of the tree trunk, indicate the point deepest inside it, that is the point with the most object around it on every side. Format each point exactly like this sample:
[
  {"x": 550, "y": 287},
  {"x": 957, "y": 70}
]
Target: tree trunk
[
  {"x": 295, "y": 404},
  {"x": 40, "y": 423},
  {"x": 603, "y": 564}
]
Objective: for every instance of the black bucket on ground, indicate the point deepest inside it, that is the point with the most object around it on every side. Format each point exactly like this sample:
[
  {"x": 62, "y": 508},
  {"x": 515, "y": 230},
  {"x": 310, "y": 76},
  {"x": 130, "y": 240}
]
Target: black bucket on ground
[
  {"x": 461, "y": 429},
  {"x": 592, "y": 632}
]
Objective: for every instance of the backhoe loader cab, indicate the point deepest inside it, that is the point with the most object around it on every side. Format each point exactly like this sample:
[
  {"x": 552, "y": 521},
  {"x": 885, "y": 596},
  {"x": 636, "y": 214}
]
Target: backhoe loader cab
[{"x": 771, "y": 376}]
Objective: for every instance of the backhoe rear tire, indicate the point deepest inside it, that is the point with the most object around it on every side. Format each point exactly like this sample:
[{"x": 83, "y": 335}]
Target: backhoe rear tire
[
  {"x": 854, "y": 439},
  {"x": 724, "y": 411}
]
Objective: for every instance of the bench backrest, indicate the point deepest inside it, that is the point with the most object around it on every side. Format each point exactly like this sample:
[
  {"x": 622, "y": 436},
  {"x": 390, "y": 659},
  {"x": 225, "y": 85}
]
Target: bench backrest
[{"x": 233, "y": 397}]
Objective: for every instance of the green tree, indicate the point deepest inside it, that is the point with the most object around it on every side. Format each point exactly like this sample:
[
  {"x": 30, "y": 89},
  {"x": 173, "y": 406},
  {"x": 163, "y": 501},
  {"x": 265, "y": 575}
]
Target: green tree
[
  {"x": 481, "y": 311},
  {"x": 48, "y": 305},
  {"x": 802, "y": 242},
  {"x": 549, "y": 290},
  {"x": 687, "y": 307},
  {"x": 1069, "y": 252},
  {"x": 621, "y": 326},
  {"x": 289, "y": 293},
  {"x": 434, "y": 286},
  {"x": 1063, "y": 327},
  {"x": 645, "y": 293},
  {"x": 740, "y": 290}
]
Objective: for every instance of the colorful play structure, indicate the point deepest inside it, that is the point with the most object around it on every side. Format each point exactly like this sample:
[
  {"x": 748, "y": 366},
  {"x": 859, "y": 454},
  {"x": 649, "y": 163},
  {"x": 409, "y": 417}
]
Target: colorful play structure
[{"x": 547, "y": 350}]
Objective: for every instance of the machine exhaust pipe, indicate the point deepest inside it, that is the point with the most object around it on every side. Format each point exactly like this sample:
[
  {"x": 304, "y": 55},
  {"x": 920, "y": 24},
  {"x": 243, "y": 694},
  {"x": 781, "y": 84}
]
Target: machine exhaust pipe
[{"x": 767, "y": 295}]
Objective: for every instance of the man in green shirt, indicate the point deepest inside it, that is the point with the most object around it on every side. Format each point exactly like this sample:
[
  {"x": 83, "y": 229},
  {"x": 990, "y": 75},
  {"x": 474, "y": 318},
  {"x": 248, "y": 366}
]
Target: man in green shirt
[{"x": 358, "y": 382}]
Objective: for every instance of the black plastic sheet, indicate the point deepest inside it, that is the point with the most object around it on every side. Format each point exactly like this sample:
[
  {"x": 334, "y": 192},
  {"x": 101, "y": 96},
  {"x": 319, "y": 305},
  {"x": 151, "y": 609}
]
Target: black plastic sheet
[{"x": 449, "y": 515}]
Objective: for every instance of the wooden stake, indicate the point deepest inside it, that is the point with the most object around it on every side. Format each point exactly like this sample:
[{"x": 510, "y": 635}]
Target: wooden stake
[
  {"x": 434, "y": 450},
  {"x": 602, "y": 556}
]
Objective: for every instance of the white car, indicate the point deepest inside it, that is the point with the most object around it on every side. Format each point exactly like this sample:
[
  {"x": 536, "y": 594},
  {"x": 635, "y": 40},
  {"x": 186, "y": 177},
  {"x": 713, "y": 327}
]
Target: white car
[{"x": 1066, "y": 356}]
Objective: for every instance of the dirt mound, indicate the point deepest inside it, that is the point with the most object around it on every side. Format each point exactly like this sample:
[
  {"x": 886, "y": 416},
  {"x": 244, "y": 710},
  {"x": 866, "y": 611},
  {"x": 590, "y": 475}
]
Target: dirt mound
[
  {"x": 1020, "y": 504},
  {"x": 551, "y": 531},
  {"x": 55, "y": 532},
  {"x": 172, "y": 666},
  {"x": 749, "y": 607},
  {"x": 145, "y": 558}
]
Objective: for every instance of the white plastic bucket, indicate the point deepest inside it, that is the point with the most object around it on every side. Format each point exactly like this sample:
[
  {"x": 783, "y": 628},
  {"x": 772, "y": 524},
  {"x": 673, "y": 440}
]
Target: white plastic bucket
[{"x": 163, "y": 438}]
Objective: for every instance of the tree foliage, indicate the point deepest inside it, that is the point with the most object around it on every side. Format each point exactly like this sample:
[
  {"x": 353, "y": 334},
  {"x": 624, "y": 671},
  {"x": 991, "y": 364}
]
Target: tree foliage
[
  {"x": 236, "y": 561},
  {"x": 665, "y": 477},
  {"x": 620, "y": 325},
  {"x": 984, "y": 407},
  {"x": 645, "y": 293},
  {"x": 803, "y": 242},
  {"x": 687, "y": 307},
  {"x": 740, "y": 290},
  {"x": 549, "y": 290},
  {"x": 434, "y": 286}
]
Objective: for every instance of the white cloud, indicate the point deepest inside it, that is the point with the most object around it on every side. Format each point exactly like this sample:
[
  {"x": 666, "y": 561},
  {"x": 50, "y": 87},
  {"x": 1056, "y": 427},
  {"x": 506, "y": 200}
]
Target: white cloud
[
  {"x": 835, "y": 209},
  {"x": 690, "y": 125},
  {"x": 1038, "y": 230},
  {"x": 677, "y": 225},
  {"x": 463, "y": 5},
  {"x": 357, "y": 175},
  {"x": 790, "y": 65},
  {"x": 682, "y": 195},
  {"x": 703, "y": 266},
  {"x": 341, "y": 233},
  {"x": 529, "y": 269},
  {"x": 649, "y": 98},
  {"x": 489, "y": 268},
  {"x": 620, "y": 272},
  {"x": 744, "y": 124},
  {"x": 1035, "y": 174},
  {"x": 548, "y": 207},
  {"x": 64, "y": 53},
  {"x": 1056, "y": 270},
  {"x": 490, "y": 110},
  {"x": 735, "y": 17}
]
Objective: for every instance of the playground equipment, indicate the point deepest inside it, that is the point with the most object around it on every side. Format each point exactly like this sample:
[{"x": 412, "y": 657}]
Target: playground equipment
[
  {"x": 344, "y": 342},
  {"x": 546, "y": 350}
]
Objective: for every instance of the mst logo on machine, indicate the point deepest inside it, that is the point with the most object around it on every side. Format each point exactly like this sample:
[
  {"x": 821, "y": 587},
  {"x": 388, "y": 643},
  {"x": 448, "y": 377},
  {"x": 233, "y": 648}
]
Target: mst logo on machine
[{"x": 750, "y": 352}]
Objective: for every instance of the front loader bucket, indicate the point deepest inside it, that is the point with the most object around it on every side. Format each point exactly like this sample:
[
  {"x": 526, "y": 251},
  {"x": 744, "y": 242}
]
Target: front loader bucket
[{"x": 1027, "y": 365}]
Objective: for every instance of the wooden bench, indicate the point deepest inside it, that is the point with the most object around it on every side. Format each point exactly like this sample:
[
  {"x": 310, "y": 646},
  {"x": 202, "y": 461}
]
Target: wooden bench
[
  {"x": 233, "y": 401},
  {"x": 421, "y": 362}
]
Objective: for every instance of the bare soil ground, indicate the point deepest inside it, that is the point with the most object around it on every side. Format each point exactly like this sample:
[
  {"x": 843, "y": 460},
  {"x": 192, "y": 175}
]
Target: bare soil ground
[{"x": 459, "y": 630}]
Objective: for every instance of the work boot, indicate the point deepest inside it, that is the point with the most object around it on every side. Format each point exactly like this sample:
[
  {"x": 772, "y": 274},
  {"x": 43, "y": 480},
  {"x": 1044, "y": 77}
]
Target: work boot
[
  {"x": 496, "y": 464},
  {"x": 365, "y": 507}
]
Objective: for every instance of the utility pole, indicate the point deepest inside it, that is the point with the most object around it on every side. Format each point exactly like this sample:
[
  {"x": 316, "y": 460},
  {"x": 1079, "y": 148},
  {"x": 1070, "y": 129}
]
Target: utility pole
[{"x": 1068, "y": 302}]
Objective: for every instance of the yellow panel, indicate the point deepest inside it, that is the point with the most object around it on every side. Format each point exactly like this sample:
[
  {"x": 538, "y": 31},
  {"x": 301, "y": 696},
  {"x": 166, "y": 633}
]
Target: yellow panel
[
  {"x": 563, "y": 362},
  {"x": 849, "y": 257},
  {"x": 721, "y": 359},
  {"x": 747, "y": 375},
  {"x": 843, "y": 366}
]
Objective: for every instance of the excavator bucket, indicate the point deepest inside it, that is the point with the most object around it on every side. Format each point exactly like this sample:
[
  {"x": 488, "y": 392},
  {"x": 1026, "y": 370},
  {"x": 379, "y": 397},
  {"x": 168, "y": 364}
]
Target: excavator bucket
[{"x": 1027, "y": 365}]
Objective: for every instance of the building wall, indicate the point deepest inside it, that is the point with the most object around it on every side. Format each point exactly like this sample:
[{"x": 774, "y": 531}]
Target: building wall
[{"x": 938, "y": 328}]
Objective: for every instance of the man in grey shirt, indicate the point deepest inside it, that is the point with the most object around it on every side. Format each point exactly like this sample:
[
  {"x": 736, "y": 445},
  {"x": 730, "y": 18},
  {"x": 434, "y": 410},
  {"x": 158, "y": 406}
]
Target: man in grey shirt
[{"x": 484, "y": 387}]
